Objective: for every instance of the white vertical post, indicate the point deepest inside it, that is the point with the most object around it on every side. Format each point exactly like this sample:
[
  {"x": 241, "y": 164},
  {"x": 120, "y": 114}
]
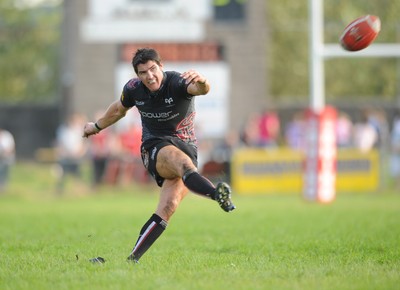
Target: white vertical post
[
  {"x": 320, "y": 174},
  {"x": 321, "y": 152},
  {"x": 317, "y": 74}
]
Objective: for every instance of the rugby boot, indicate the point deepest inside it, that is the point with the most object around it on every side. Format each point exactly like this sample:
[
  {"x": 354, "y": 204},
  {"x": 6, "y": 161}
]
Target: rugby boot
[{"x": 223, "y": 197}]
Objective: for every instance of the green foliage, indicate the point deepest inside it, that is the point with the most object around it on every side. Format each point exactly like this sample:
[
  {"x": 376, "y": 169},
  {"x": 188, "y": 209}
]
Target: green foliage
[
  {"x": 29, "y": 47},
  {"x": 359, "y": 78},
  {"x": 269, "y": 242}
]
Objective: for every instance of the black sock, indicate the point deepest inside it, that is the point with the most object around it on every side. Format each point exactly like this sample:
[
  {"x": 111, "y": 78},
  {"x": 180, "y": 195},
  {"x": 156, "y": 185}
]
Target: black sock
[
  {"x": 149, "y": 233},
  {"x": 198, "y": 184}
]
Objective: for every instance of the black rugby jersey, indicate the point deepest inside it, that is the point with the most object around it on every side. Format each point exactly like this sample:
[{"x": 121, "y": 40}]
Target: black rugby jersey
[{"x": 167, "y": 112}]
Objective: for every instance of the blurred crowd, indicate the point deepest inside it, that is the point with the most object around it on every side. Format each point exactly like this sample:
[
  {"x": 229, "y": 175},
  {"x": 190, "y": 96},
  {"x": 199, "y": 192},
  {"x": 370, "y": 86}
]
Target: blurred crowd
[
  {"x": 369, "y": 129},
  {"x": 114, "y": 154}
]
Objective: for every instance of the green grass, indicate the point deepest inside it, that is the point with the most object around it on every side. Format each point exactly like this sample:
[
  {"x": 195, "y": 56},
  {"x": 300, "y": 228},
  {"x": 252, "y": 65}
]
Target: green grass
[{"x": 269, "y": 242}]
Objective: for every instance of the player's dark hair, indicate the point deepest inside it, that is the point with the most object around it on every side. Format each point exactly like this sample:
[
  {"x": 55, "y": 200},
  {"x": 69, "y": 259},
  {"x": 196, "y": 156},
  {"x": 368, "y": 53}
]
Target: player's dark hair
[{"x": 143, "y": 55}]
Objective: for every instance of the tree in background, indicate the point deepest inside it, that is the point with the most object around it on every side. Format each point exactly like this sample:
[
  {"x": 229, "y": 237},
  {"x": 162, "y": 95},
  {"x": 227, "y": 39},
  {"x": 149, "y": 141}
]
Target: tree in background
[{"x": 29, "y": 47}]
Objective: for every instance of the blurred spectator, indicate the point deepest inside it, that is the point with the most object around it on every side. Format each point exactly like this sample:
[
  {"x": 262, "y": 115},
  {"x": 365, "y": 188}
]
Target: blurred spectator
[
  {"x": 395, "y": 149},
  {"x": 250, "y": 134},
  {"x": 377, "y": 119},
  {"x": 344, "y": 131},
  {"x": 295, "y": 132},
  {"x": 99, "y": 153},
  {"x": 131, "y": 161},
  {"x": 219, "y": 165},
  {"x": 70, "y": 149},
  {"x": 7, "y": 156},
  {"x": 268, "y": 129},
  {"x": 125, "y": 164},
  {"x": 365, "y": 135}
]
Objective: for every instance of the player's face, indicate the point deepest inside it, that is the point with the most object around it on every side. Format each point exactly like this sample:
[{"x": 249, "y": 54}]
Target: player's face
[{"x": 151, "y": 75}]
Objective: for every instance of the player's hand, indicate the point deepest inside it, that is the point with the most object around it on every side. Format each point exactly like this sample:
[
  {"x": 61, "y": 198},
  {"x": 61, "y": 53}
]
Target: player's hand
[
  {"x": 193, "y": 76},
  {"x": 89, "y": 129}
]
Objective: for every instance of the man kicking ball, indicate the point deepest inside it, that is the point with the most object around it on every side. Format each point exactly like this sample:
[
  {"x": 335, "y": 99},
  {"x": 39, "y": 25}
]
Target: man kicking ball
[{"x": 165, "y": 101}]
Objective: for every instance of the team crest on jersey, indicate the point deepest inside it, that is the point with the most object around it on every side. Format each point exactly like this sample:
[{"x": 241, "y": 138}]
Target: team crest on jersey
[{"x": 169, "y": 101}]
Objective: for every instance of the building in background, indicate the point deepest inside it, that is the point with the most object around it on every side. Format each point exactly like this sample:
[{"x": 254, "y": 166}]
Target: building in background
[{"x": 226, "y": 39}]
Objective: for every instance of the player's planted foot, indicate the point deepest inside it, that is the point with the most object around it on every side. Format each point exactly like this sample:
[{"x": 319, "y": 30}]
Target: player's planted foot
[
  {"x": 223, "y": 197},
  {"x": 132, "y": 259}
]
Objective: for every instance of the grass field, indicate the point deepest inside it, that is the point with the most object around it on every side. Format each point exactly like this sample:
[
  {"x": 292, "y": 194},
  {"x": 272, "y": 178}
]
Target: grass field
[{"x": 269, "y": 242}]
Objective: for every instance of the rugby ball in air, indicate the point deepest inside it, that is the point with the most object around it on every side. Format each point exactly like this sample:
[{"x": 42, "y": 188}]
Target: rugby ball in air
[{"x": 360, "y": 33}]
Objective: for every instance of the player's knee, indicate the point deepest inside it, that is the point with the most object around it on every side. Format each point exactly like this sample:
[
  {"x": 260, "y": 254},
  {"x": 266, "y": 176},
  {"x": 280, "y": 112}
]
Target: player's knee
[{"x": 187, "y": 168}]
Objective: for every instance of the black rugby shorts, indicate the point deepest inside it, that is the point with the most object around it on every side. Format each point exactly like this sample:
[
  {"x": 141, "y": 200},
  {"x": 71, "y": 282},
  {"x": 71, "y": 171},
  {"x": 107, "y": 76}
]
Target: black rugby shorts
[{"x": 150, "y": 148}]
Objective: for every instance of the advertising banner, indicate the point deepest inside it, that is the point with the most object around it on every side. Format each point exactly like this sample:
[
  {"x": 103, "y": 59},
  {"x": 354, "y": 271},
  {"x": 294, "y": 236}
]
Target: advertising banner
[{"x": 281, "y": 171}]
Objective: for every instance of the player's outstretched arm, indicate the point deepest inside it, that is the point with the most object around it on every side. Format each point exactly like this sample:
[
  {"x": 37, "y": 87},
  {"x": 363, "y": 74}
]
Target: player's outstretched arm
[
  {"x": 114, "y": 112},
  {"x": 198, "y": 84}
]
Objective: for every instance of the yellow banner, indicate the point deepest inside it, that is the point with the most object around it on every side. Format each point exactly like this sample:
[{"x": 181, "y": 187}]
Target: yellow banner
[
  {"x": 269, "y": 171},
  {"x": 357, "y": 171}
]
